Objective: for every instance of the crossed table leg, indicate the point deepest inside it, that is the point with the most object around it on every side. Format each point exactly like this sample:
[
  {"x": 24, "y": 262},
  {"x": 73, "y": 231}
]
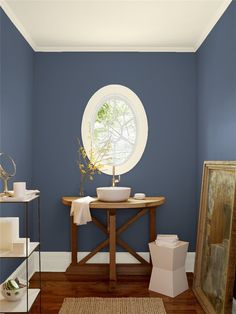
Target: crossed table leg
[{"x": 113, "y": 238}]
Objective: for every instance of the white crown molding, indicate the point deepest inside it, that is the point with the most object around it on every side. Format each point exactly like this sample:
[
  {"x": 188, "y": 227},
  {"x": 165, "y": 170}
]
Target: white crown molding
[
  {"x": 113, "y": 49},
  {"x": 211, "y": 24},
  {"x": 17, "y": 23}
]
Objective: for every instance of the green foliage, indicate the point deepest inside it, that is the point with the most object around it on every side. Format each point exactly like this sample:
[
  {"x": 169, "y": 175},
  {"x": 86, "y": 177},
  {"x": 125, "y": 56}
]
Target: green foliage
[
  {"x": 88, "y": 167},
  {"x": 104, "y": 113},
  {"x": 92, "y": 164}
]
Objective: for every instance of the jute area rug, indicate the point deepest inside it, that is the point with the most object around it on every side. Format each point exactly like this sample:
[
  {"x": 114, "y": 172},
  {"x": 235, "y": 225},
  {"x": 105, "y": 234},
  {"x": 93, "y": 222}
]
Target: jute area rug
[{"x": 112, "y": 306}]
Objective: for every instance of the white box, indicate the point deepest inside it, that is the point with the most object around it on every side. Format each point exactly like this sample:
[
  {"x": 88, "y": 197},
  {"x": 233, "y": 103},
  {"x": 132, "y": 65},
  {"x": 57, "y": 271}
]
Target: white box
[
  {"x": 9, "y": 232},
  {"x": 19, "y": 246}
]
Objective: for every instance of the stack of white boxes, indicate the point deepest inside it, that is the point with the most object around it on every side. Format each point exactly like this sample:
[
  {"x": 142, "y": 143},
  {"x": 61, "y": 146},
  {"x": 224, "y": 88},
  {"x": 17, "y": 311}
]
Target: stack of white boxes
[{"x": 9, "y": 237}]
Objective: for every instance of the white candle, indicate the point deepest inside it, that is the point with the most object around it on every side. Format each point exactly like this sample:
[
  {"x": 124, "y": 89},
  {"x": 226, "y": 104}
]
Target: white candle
[
  {"x": 9, "y": 232},
  {"x": 19, "y": 189}
]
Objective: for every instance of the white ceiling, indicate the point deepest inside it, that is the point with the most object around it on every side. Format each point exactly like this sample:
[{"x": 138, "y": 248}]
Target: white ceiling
[{"x": 115, "y": 25}]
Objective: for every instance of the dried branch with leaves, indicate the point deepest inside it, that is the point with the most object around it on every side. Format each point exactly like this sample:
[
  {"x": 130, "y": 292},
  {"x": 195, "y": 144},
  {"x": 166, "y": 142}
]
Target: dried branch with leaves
[{"x": 92, "y": 164}]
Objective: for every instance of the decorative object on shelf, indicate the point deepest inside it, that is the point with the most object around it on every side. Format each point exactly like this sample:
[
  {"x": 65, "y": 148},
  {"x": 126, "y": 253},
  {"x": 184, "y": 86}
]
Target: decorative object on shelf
[
  {"x": 89, "y": 165},
  {"x": 9, "y": 232},
  {"x": 214, "y": 273},
  {"x": 14, "y": 289},
  {"x": 139, "y": 196},
  {"x": 19, "y": 246},
  {"x": 29, "y": 195},
  {"x": 7, "y": 171},
  {"x": 19, "y": 189},
  {"x": 9, "y": 237}
]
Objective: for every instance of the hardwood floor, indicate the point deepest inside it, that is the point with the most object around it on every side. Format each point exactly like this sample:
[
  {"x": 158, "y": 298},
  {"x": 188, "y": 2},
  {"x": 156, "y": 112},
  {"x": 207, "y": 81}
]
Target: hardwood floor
[{"x": 57, "y": 286}]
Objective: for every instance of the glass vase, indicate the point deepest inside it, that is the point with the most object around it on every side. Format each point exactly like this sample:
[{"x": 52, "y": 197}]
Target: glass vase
[{"x": 81, "y": 186}]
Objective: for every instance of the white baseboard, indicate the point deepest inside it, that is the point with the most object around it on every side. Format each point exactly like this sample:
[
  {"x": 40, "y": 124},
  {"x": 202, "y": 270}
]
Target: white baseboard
[
  {"x": 59, "y": 261},
  {"x": 234, "y": 306}
]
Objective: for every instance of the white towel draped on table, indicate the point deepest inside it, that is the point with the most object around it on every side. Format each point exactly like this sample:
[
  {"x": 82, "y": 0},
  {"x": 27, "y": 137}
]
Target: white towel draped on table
[{"x": 80, "y": 210}]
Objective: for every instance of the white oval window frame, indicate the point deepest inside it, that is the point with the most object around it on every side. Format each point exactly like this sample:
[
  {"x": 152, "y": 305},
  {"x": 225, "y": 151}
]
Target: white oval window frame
[{"x": 141, "y": 123}]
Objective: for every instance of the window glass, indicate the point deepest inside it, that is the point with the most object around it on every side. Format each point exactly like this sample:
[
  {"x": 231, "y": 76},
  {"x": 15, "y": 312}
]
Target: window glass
[{"x": 115, "y": 128}]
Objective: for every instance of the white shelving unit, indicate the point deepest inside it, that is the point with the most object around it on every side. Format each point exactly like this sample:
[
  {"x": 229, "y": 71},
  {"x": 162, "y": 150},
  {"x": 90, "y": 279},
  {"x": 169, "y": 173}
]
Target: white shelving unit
[
  {"x": 25, "y": 304},
  {"x": 32, "y": 247},
  {"x": 11, "y": 199}
]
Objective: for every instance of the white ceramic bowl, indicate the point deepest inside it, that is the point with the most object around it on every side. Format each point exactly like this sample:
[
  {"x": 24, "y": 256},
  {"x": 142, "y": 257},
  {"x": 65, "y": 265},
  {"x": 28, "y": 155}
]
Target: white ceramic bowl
[
  {"x": 113, "y": 194},
  {"x": 13, "y": 295}
]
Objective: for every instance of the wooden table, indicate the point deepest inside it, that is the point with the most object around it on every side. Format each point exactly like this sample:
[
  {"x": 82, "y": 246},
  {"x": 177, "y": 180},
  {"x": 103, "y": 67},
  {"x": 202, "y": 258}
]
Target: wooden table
[{"x": 144, "y": 206}]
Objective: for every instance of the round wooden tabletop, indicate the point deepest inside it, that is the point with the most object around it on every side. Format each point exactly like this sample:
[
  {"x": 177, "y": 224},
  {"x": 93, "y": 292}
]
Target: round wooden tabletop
[{"x": 152, "y": 201}]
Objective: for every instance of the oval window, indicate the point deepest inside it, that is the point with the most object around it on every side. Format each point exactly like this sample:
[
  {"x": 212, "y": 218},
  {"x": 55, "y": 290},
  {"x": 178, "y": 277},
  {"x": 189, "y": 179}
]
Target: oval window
[{"x": 114, "y": 128}]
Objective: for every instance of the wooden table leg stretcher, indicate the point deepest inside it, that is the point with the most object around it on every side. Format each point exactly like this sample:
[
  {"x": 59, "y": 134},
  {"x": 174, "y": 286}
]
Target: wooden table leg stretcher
[{"x": 113, "y": 240}]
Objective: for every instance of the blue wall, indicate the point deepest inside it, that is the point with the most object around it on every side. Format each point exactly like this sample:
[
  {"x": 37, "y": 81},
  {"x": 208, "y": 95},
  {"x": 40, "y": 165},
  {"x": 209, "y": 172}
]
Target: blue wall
[
  {"x": 190, "y": 100},
  {"x": 16, "y": 92},
  {"x": 217, "y": 92},
  {"x": 166, "y": 84}
]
